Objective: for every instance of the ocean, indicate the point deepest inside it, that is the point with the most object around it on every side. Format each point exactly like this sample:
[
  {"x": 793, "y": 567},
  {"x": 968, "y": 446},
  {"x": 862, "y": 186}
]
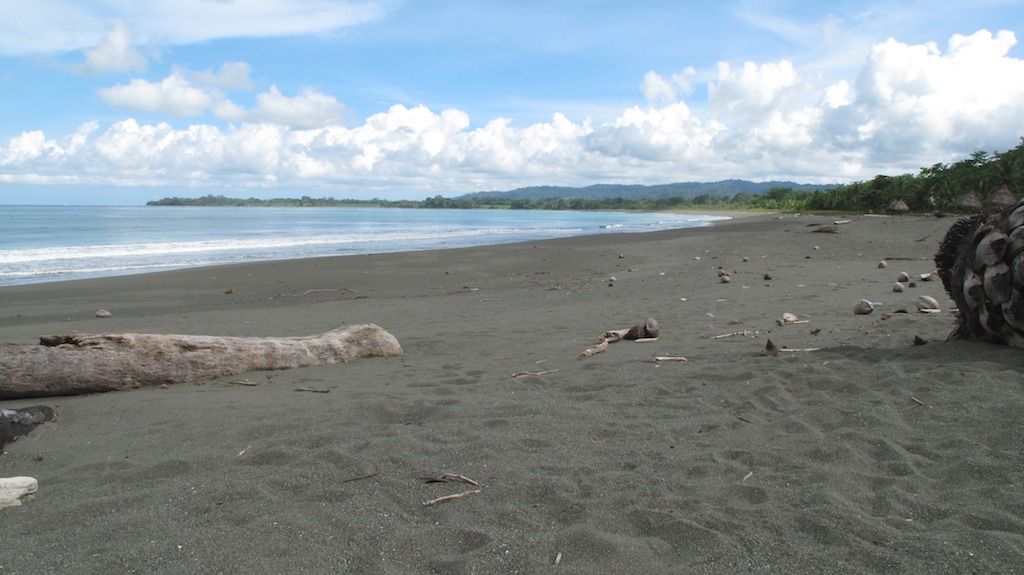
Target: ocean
[{"x": 56, "y": 243}]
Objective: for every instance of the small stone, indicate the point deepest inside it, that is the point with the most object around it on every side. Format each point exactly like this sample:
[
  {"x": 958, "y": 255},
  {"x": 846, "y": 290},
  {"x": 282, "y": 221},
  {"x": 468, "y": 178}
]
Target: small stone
[
  {"x": 103, "y": 313},
  {"x": 927, "y": 304},
  {"x": 863, "y": 307}
]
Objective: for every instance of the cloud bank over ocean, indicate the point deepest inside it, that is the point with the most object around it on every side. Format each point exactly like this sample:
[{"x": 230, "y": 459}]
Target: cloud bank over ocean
[{"x": 895, "y": 107}]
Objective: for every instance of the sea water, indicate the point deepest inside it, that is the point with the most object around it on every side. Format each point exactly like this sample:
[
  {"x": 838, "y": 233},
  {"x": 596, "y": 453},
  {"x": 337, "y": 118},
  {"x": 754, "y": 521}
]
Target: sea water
[{"x": 54, "y": 243}]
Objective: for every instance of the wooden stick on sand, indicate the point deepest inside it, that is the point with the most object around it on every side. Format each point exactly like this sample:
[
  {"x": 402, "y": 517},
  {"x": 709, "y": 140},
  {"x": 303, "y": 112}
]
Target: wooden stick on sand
[{"x": 450, "y": 497}]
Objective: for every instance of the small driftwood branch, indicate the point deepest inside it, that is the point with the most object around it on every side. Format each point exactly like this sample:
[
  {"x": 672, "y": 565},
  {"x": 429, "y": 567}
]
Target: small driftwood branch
[
  {"x": 86, "y": 363},
  {"x": 533, "y": 373},
  {"x": 450, "y": 497},
  {"x": 645, "y": 332},
  {"x": 361, "y": 477},
  {"x": 325, "y": 290},
  {"x": 744, "y": 333},
  {"x": 772, "y": 350},
  {"x": 665, "y": 358},
  {"x": 448, "y": 478}
]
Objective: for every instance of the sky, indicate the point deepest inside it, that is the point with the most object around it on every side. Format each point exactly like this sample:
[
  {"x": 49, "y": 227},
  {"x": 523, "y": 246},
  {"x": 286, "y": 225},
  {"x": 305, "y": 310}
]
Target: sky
[{"x": 122, "y": 102}]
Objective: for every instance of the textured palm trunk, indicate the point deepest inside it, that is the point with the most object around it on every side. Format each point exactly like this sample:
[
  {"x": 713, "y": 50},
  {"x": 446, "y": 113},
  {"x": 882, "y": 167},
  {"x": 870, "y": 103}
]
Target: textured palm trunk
[{"x": 981, "y": 263}]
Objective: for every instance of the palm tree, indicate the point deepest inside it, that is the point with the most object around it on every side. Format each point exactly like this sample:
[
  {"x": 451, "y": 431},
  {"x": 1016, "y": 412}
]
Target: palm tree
[{"x": 977, "y": 261}]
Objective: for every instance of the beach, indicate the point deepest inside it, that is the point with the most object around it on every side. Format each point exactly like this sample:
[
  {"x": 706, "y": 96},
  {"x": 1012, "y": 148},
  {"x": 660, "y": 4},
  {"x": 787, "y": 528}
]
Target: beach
[{"x": 855, "y": 450}]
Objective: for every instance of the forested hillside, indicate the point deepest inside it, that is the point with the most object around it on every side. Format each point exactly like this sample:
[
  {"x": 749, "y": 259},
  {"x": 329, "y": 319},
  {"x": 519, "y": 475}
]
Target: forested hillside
[
  {"x": 684, "y": 190},
  {"x": 974, "y": 184}
]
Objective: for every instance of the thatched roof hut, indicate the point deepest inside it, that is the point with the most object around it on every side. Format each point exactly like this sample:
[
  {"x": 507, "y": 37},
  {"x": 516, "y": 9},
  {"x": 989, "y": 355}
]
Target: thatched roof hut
[
  {"x": 968, "y": 201},
  {"x": 898, "y": 205},
  {"x": 1001, "y": 197}
]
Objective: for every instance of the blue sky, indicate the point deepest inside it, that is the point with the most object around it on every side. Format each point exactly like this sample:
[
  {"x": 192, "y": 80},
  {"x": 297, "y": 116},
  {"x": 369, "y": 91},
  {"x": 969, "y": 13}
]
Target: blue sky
[{"x": 108, "y": 101}]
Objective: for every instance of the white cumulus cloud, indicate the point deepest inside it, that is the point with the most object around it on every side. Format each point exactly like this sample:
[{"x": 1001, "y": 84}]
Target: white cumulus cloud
[
  {"x": 230, "y": 76},
  {"x": 185, "y": 93},
  {"x": 660, "y": 91},
  {"x": 913, "y": 100},
  {"x": 174, "y": 96},
  {"x": 309, "y": 109},
  {"x": 115, "y": 53},
  {"x": 909, "y": 105}
]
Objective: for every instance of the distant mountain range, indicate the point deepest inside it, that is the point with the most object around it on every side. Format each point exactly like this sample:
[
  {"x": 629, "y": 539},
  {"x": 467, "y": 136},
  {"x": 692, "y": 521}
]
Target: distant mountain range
[{"x": 688, "y": 190}]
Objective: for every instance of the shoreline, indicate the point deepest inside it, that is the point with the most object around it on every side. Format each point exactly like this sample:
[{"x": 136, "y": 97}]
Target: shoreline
[
  {"x": 119, "y": 288},
  {"x": 869, "y": 454},
  {"x": 279, "y": 234}
]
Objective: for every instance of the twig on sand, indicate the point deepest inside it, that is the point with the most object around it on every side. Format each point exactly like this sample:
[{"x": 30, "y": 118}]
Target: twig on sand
[
  {"x": 916, "y": 400},
  {"x": 361, "y": 477},
  {"x": 448, "y": 478},
  {"x": 743, "y": 333},
  {"x": 323, "y": 290},
  {"x": 309, "y": 291},
  {"x": 771, "y": 349},
  {"x": 533, "y": 373},
  {"x": 599, "y": 348},
  {"x": 313, "y": 389},
  {"x": 660, "y": 358},
  {"x": 244, "y": 382},
  {"x": 450, "y": 497}
]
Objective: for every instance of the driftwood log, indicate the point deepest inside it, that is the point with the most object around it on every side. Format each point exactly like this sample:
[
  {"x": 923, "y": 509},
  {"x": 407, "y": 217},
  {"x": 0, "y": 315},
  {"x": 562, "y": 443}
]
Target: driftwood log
[
  {"x": 14, "y": 490},
  {"x": 87, "y": 363},
  {"x": 981, "y": 264}
]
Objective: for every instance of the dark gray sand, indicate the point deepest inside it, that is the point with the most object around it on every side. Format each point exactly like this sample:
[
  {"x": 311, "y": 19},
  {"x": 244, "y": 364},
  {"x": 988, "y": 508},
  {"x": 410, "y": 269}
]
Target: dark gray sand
[{"x": 869, "y": 454}]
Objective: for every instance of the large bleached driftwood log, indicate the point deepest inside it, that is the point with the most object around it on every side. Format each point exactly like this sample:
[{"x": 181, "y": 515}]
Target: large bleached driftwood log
[
  {"x": 981, "y": 264},
  {"x": 87, "y": 363}
]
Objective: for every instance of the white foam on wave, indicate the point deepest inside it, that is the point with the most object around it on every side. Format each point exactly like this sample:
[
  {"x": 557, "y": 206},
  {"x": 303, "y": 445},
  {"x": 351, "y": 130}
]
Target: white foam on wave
[{"x": 8, "y": 257}]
